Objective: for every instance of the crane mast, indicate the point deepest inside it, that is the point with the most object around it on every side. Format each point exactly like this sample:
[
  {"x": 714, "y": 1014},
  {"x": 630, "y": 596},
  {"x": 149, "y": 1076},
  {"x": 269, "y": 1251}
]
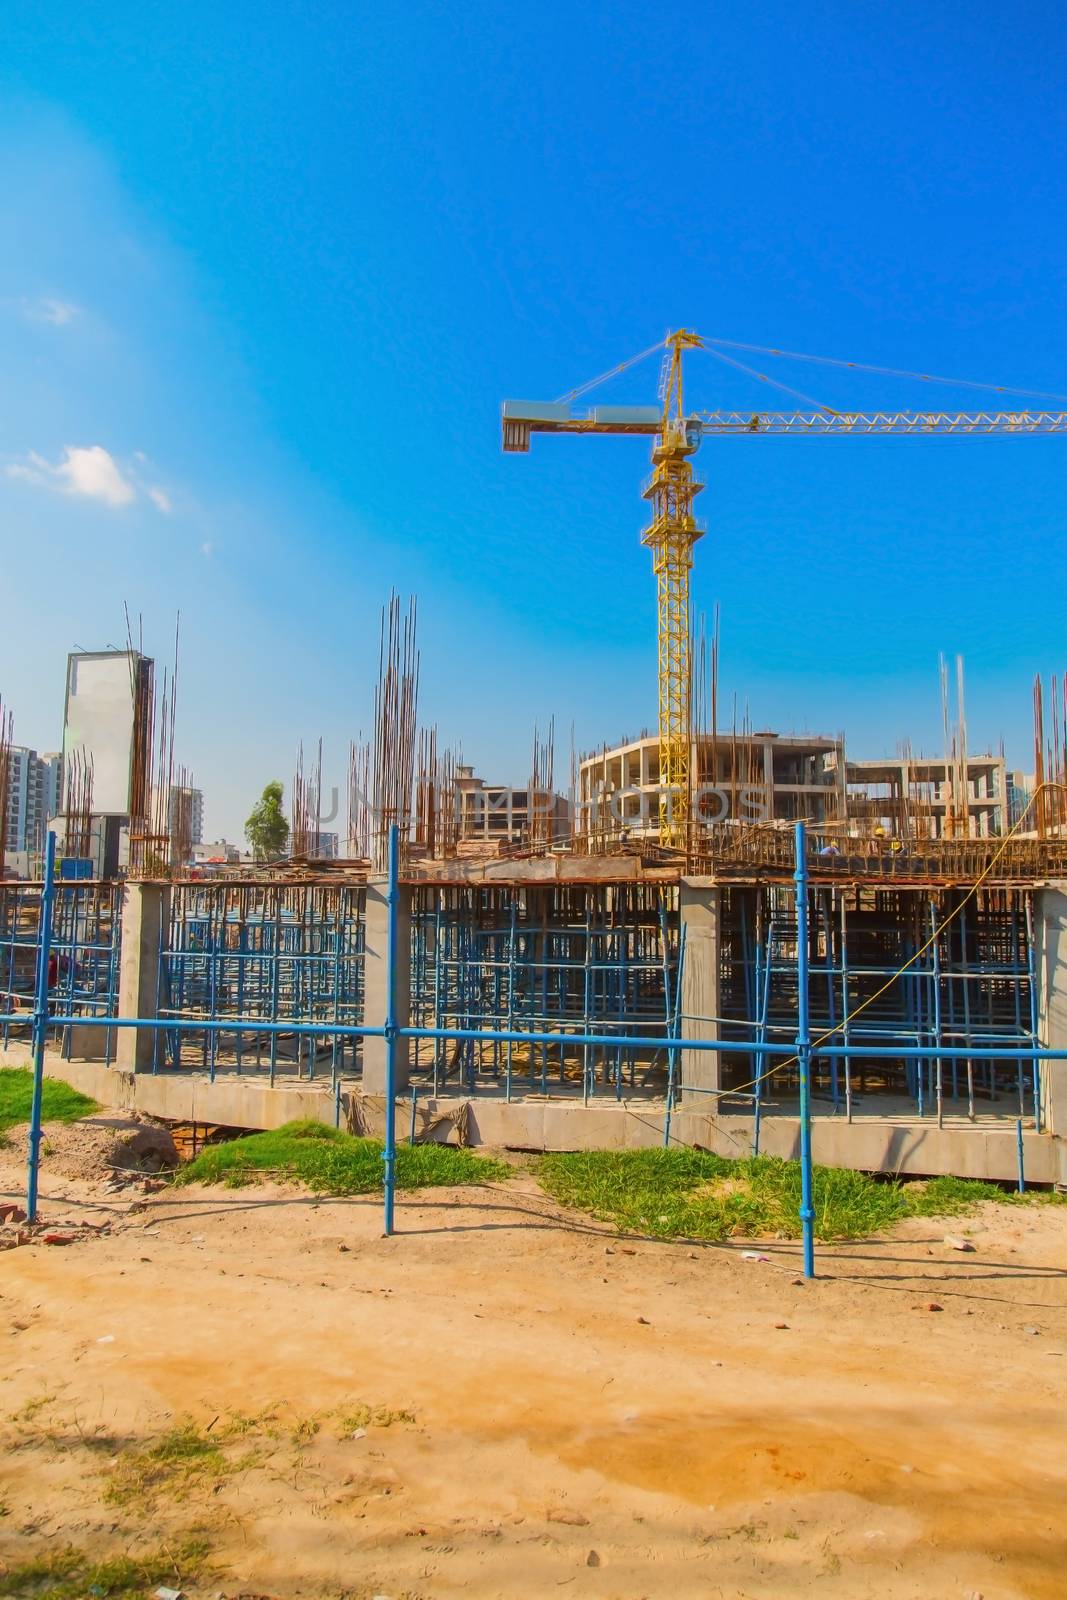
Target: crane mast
[{"x": 670, "y": 536}]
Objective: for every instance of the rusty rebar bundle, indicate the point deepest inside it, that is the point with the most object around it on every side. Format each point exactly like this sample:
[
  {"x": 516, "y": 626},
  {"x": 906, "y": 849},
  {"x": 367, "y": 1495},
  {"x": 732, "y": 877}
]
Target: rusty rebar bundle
[
  {"x": 78, "y": 804},
  {"x": 359, "y": 800},
  {"x": 395, "y": 713},
  {"x": 540, "y": 799},
  {"x": 1050, "y": 758},
  {"x": 436, "y": 818},
  {"x": 152, "y": 762},
  {"x": 306, "y": 807}
]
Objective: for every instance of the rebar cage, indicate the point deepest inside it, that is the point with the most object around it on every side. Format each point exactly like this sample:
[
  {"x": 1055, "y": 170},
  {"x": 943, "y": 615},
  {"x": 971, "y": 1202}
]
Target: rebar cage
[
  {"x": 576, "y": 957},
  {"x": 86, "y": 942},
  {"x": 970, "y": 983},
  {"x": 271, "y": 952}
]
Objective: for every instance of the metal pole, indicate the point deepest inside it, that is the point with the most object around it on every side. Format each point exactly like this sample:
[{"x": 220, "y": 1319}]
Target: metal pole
[
  {"x": 1019, "y": 1153},
  {"x": 40, "y": 1024},
  {"x": 392, "y": 899},
  {"x": 1035, "y": 1016},
  {"x": 807, "y": 1209}
]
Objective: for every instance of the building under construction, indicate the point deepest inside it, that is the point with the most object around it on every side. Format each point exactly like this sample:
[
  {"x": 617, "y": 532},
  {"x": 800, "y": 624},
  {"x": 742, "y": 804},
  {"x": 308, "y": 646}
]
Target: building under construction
[
  {"x": 711, "y": 916},
  {"x": 933, "y": 964}
]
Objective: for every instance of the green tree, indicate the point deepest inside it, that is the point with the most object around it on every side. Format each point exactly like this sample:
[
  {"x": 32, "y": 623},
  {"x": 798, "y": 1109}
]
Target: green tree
[{"x": 267, "y": 830}]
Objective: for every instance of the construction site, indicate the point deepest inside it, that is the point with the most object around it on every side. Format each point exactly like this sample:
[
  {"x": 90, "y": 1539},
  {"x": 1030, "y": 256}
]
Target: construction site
[
  {"x": 650, "y": 901},
  {"x": 739, "y": 948}
]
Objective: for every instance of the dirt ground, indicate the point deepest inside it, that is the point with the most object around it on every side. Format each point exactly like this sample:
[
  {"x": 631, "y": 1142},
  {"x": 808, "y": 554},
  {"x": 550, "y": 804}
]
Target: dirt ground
[{"x": 506, "y": 1399}]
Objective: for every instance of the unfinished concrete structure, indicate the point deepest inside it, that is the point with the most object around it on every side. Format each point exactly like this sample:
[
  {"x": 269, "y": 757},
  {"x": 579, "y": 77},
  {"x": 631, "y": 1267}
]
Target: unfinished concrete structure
[
  {"x": 768, "y": 777},
  {"x": 771, "y": 777},
  {"x": 495, "y": 814},
  {"x": 914, "y": 796},
  {"x": 959, "y": 946}
]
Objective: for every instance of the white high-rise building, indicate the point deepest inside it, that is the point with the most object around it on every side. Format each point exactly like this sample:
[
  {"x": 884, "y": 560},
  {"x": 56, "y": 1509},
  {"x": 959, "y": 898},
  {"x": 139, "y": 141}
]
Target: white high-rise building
[
  {"x": 34, "y": 797},
  {"x": 186, "y": 821}
]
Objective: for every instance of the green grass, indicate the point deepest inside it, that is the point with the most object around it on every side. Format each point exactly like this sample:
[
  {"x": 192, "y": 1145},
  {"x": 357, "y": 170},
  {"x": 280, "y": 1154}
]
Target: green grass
[
  {"x": 957, "y": 1197},
  {"x": 696, "y": 1195},
  {"x": 59, "y": 1102},
  {"x": 71, "y": 1575},
  {"x": 332, "y": 1162},
  {"x": 178, "y": 1458}
]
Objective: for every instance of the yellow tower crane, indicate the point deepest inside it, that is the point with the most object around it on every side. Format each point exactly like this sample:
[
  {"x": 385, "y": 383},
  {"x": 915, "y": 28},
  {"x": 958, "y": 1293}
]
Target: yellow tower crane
[{"x": 671, "y": 490}]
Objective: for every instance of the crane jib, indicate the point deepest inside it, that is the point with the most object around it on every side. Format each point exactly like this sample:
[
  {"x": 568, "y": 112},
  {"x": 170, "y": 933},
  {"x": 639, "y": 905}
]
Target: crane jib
[{"x": 521, "y": 419}]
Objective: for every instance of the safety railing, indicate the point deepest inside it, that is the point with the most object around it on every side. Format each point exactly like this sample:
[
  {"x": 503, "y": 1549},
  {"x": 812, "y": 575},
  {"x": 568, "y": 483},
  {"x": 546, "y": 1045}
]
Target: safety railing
[
  {"x": 83, "y": 966},
  {"x": 800, "y": 1050}
]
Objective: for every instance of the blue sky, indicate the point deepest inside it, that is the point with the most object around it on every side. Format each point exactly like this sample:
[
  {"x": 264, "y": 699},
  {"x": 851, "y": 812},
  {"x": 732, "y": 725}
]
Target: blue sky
[{"x": 266, "y": 273}]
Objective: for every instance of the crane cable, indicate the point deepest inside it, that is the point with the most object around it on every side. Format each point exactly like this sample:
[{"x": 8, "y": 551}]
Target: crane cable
[
  {"x": 583, "y": 388},
  {"x": 884, "y": 372},
  {"x": 717, "y": 347},
  {"x": 761, "y": 1077},
  {"x": 776, "y": 383}
]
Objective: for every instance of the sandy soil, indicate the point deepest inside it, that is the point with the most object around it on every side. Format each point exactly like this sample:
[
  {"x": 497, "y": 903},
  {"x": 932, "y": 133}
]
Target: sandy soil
[{"x": 613, "y": 1417}]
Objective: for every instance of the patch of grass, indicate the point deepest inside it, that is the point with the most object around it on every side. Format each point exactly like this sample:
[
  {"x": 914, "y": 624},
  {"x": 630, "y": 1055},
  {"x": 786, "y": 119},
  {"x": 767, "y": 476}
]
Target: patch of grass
[
  {"x": 697, "y": 1195},
  {"x": 365, "y": 1416},
  {"x": 332, "y": 1162},
  {"x": 71, "y": 1575},
  {"x": 957, "y": 1197},
  {"x": 178, "y": 1457},
  {"x": 32, "y": 1407},
  {"x": 59, "y": 1102}
]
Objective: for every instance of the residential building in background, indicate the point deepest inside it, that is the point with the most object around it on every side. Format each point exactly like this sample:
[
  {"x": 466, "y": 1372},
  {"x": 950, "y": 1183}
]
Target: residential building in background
[
  {"x": 219, "y": 852},
  {"x": 496, "y": 813},
  {"x": 34, "y": 788},
  {"x": 185, "y": 822}
]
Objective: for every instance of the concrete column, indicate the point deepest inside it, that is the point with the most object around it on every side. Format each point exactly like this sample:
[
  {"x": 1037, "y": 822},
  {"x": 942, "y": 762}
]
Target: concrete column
[
  {"x": 145, "y": 914},
  {"x": 375, "y": 985},
  {"x": 1050, "y": 939},
  {"x": 700, "y": 907}
]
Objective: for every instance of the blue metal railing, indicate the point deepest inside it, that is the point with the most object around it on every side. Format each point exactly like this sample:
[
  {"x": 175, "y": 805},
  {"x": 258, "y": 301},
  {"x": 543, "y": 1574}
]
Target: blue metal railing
[{"x": 800, "y": 1050}]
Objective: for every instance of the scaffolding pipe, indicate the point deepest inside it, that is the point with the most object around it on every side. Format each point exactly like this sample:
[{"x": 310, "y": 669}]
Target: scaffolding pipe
[
  {"x": 392, "y": 899},
  {"x": 40, "y": 1025},
  {"x": 803, "y": 1043}
]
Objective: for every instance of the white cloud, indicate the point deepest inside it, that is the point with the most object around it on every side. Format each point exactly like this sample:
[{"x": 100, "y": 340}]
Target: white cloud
[
  {"x": 56, "y": 312},
  {"x": 87, "y": 470},
  {"x": 161, "y": 499},
  {"x": 207, "y": 549},
  {"x": 92, "y": 471}
]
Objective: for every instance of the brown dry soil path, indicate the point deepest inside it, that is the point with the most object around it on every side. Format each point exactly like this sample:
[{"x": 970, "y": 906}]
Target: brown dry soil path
[{"x": 506, "y": 1399}]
